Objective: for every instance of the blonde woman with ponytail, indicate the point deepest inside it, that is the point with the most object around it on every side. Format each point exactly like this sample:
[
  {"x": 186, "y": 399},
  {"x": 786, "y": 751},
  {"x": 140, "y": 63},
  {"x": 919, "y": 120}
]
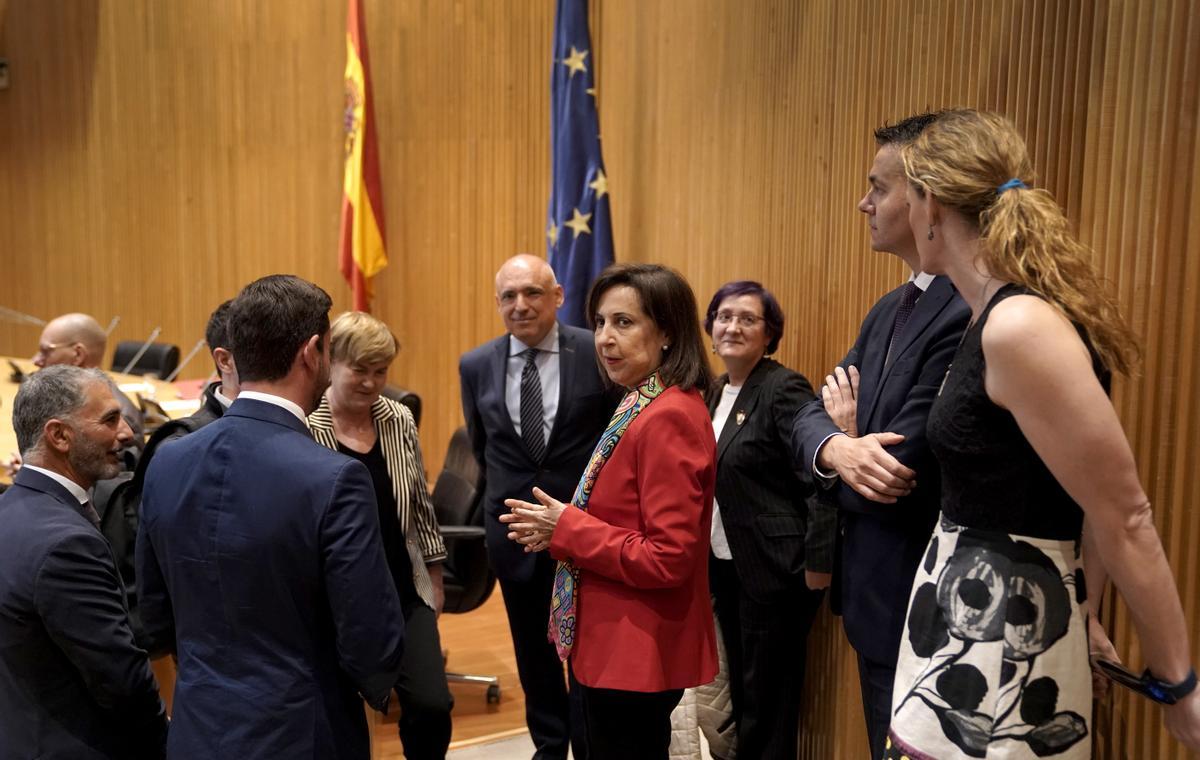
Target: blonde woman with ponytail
[{"x": 994, "y": 661}]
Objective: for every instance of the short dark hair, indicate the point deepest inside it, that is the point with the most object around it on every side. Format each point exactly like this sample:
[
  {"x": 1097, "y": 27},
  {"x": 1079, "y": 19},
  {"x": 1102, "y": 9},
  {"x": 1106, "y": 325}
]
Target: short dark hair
[
  {"x": 906, "y": 130},
  {"x": 216, "y": 332},
  {"x": 670, "y": 303},
  {"x": 772, "y": 313},
  {"x": 270, "y": 320},
  {"x": 52, "y": 393}
]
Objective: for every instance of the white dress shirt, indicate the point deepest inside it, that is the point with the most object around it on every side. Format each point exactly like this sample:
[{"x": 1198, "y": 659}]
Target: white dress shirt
[
  {"x": 76, "y": 490},
  {"x": 547, "y": 367},
  {"x": 279, "y": 401}
]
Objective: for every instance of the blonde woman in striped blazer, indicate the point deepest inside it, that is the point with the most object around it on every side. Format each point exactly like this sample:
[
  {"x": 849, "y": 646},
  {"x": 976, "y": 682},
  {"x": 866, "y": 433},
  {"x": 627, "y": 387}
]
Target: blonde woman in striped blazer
[{"x": 354, "y": 419}]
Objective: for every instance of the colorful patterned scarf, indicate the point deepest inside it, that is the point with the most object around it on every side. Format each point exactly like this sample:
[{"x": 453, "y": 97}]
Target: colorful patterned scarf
[{"x": 565, "y": 599}]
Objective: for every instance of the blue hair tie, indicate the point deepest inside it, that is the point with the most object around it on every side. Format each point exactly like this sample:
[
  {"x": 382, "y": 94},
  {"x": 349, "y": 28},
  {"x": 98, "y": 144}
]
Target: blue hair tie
[{"x": 1012, "y": 183}]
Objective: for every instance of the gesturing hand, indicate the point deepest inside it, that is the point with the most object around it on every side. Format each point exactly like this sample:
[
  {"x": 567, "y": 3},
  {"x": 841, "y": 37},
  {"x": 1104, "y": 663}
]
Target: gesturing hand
[
  {"x": 532, "y": 525},
  {"x": 864, "y": 465},
  {"x": 840, "y": 396}
]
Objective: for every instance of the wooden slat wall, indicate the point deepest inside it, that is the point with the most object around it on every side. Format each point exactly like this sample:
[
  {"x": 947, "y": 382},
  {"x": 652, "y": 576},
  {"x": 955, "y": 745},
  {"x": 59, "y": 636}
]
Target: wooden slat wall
[{"x": 155, "y": 156}]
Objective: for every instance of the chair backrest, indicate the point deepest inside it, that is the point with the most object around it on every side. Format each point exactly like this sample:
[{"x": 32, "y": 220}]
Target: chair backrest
[
  {"x": 457, "y": 501},
  {"x": 160, "y": 359},
  {"x": 406, "y": 397}
]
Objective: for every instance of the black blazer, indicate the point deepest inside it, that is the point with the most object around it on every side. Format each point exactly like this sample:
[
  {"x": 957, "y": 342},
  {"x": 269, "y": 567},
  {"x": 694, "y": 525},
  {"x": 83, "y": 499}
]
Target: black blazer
[
  {"x": 775, "y": 527},
  {"x": 72, "y": 684},
  {"x": 895, "y": 397},
  {"x": 584, "y": 409}
]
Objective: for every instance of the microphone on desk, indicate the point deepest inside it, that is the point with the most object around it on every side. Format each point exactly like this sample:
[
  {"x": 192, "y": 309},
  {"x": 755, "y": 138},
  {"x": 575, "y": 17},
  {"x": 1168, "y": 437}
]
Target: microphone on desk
[
  {"x": 171, "y": 377},
  {"x": 145, "y": 347},
  {"x": 112, "y": 325},
  {"x": 20, "y": 317}
]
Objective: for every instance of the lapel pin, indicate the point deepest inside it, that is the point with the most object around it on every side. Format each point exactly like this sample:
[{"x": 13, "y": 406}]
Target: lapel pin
[{"x": 740, "y": 418}]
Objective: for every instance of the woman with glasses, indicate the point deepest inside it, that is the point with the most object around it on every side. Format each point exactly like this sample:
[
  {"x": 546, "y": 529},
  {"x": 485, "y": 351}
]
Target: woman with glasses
[{"x": 771, "y": 544}]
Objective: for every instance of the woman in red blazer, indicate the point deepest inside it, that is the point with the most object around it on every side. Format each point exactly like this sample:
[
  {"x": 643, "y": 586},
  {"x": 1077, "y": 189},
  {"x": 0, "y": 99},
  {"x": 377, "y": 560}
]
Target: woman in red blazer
[{"x": 631, "y": 609}]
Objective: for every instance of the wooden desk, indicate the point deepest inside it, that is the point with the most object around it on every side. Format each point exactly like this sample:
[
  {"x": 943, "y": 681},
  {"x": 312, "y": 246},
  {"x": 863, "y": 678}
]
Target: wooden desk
[{"x": 164, "y": 393}]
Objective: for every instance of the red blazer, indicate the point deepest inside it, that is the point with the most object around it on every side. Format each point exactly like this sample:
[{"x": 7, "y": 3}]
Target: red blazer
[{"x": 645, "y": 620}]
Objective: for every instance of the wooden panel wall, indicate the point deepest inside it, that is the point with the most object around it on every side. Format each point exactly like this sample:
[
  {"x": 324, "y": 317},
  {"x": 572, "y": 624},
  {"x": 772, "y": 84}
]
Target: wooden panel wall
[{"x": 155, "y": 156}]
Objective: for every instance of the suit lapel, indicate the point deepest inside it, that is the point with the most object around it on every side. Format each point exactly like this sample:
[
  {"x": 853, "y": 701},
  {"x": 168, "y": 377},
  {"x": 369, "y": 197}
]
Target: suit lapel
[
  {"x": 747, "y": 399},
  {"x": 930, "y": 304},
  {"x": 568, "y": 361},
  {"x": 872, "y": 357},
  {"x": 500, "y": 373}
]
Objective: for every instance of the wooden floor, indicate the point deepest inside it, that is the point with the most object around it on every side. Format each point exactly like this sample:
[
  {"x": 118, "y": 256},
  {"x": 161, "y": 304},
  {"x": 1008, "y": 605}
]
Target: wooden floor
[{"x": 478, "y": 643}]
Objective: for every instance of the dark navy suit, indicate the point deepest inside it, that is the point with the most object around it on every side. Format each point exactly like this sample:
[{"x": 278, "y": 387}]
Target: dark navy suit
[
  {"x": 881, "y": 544},
  {"x": 73, "y": 686},
  {"x": 259, "y": 562},
  {"x": 584, "y": 409}
]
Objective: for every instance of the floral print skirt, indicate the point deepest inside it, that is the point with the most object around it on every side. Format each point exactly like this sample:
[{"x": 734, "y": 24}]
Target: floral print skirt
[{"x": 994, "y": 660}]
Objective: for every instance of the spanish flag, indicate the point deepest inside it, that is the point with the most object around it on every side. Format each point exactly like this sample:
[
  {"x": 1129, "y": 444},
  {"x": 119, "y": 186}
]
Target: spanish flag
[{"x": 362, "y": 252}]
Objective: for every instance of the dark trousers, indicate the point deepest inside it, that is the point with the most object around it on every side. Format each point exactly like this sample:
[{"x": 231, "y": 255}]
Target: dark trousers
[
  {"x": 628, "y": 725},
  {"x": 765, "y": 648},
  {"x": 554, "y": 716},
  {"x": 425, "y": 699},
  {"x": 876, "y": 679}
]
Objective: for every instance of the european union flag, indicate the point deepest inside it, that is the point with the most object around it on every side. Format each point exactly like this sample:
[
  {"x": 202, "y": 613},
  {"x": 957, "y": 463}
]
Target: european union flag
[{"x": 579, "y": 228}]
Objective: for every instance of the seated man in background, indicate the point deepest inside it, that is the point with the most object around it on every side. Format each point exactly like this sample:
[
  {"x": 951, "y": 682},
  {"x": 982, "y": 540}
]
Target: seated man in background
[
  {"x": 72, "y": 683},
  {"x": 259, "y": 558},
  {"x": 80, "y": 341}
]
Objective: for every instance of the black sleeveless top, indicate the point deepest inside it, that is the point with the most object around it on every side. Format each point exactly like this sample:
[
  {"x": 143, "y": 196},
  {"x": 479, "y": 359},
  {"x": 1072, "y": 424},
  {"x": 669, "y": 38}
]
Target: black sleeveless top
[
  {"x": 992, "y": 479},
  {"x": 390, "y": 530}
]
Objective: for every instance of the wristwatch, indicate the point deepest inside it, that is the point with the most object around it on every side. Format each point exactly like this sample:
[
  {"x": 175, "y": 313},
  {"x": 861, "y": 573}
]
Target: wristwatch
[{"x": 1169, "y": 693}]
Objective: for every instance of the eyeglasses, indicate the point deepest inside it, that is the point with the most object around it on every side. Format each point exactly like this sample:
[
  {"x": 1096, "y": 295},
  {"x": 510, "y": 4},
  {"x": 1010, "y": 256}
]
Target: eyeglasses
[
  {"x": 745, "y": 320},
  {"x": 45, "y": 348}
]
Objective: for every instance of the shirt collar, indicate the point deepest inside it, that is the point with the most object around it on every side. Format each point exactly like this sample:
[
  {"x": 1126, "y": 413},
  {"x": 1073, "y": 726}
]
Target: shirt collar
[
  {"x": 279, "y": 401},
  {"x": 75, "y": 489},
  {"x": 923, "y": 280},
  {"x": 549, "y": 343},
  {"x": 221, "y": 399}
]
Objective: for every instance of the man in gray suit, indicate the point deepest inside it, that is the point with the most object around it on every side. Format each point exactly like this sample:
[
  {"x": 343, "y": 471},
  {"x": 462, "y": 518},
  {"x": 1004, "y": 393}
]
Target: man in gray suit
[{"x": 535, "y": 406}]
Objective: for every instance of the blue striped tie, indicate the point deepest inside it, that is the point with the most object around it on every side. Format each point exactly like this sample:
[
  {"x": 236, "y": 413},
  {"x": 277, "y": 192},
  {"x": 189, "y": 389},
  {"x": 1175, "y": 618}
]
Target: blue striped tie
[{"x": 531, "y": 408}]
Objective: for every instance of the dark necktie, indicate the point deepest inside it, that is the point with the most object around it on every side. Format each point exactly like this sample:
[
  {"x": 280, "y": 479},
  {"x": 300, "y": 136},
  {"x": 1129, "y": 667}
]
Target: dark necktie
[
  {"x": 908, "y": 300},
  {"x": 90, "y": 512},
  {"x": 531, "y": 407}
]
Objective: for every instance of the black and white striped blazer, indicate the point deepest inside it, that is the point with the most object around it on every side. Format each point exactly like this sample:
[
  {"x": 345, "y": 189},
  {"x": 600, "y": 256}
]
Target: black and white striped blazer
[{"x": 406, "y": 469}]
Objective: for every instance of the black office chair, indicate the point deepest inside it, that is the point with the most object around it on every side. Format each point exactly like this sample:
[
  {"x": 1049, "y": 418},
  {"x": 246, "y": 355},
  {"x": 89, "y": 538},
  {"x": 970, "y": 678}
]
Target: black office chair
[
  {"x": 466, "y": 577},
  {"x": 160, "y": 359},
  {"x": 406, "y": 397}
]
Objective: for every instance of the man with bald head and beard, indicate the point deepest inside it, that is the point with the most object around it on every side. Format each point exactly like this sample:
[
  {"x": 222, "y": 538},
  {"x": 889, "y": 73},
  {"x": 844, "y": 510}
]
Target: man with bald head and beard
[
  {"x": 535, "y": 405},
  {"x": 72, "y": 683}
]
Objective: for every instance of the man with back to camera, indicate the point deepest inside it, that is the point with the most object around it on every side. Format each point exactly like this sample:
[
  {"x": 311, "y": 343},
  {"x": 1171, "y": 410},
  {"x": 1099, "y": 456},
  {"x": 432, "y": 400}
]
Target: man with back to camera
[
  {"x": 73, "y": 685},
  {"x": 869, "y": 462},
  {"x": 533, "y": 418},
  {"x": 259, "y": 557}
]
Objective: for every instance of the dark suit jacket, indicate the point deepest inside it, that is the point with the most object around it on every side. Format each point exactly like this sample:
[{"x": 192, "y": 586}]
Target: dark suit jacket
[
  {"x": 259, "y": 559},
  {"x": 775, "y": 527},
  {"x": 893, "y": 398},
  {"x": 584, "y": 409},
  {"x": 72, "y": 684}
]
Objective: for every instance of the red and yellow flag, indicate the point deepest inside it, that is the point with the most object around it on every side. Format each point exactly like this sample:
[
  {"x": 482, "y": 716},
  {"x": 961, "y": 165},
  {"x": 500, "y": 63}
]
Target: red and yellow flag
[{"x": 362, "y": 252}]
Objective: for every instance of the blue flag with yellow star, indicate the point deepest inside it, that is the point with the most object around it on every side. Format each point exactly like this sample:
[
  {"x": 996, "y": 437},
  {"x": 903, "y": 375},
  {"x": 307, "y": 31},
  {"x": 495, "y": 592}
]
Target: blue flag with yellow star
[{"x": 579, "y": 228}]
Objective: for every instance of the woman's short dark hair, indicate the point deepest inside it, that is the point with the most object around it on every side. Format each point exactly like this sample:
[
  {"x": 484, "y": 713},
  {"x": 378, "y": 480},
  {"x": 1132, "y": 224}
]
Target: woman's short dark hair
[
  {"x": 670, "y": 303},
  {"x": 772, "y": 313},
  {"x": 270, "y": 320}
]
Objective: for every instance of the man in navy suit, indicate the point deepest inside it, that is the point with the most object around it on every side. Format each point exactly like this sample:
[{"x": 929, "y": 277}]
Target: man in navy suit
[
  {"x": 259, "y": 558},
  {"x": 533, "y": 418},
  {"x": 876, "y": 466},
  {"x": 73, "y": 686}
]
